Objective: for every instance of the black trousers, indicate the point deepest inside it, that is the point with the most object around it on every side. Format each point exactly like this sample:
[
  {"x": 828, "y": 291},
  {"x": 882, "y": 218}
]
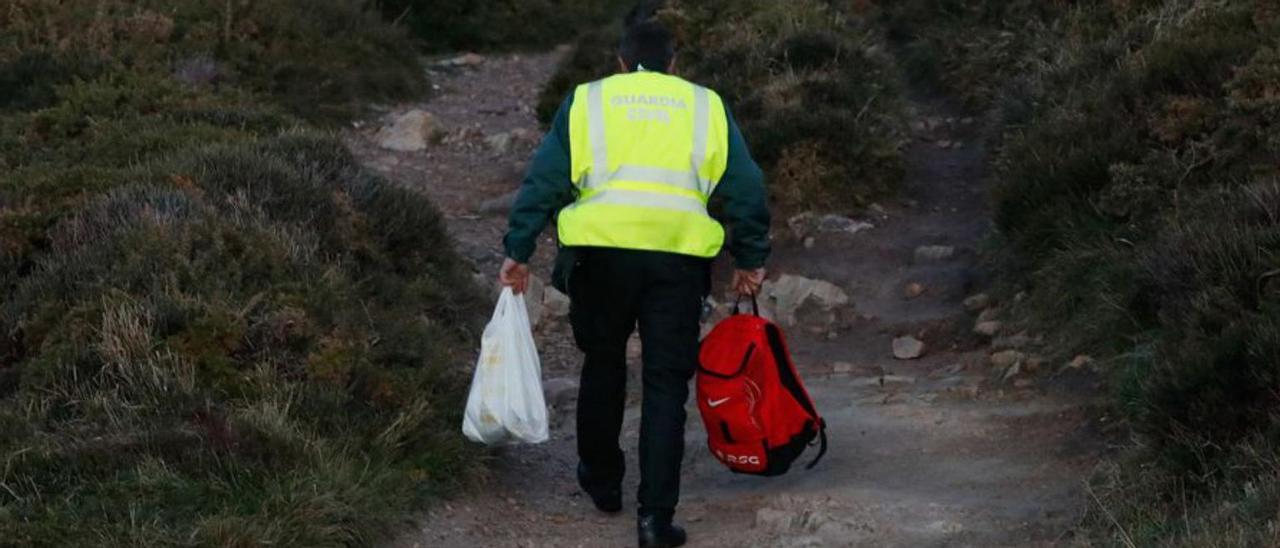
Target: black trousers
[{"x": 613, "y": 292}]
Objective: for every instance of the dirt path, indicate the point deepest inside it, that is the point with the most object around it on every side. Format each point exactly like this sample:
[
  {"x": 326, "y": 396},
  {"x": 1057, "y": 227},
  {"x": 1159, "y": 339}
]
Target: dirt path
[{"x": 939, "y": 451}]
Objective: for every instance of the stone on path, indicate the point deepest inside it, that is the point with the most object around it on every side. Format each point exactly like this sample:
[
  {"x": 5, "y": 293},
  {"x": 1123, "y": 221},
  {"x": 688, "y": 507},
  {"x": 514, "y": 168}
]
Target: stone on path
[
  {"x": 1007, "y": 359},
  {"x": 555, "y": 303},
  {"x": 499, "y": 142},
  {"x": 977, "y": 302},
  {"x": 988, "y": 329},
  {"x": 500, "y": 205},
  {"x": 928, "y": 253},
  {"x": 533, "y": 300},
  {"x": 560, "y": 392},
  {"x": 790, "y": 292},
  {"x": 464, "y": 60},
  {"x": 809, "y": 223},
  {"x": 908, "y": 348},
  {"x": 410, "y": 132},
  {"x": 1079, "y": 362},
  {"x": 913, "y": 290}
]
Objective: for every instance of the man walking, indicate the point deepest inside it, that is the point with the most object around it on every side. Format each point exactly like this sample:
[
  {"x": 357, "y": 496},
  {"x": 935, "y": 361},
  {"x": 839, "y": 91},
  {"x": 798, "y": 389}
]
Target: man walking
[{"x": 630, "y": 166}]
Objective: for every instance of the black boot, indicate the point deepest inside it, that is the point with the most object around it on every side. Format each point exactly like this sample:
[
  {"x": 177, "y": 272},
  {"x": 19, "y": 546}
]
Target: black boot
[
  {"x": 607, "y": 499},
  {"x": 657, "y": 532}
]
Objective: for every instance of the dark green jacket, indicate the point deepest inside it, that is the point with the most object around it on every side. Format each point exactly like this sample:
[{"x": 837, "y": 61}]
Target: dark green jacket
[{"x": 738, "y": 201}]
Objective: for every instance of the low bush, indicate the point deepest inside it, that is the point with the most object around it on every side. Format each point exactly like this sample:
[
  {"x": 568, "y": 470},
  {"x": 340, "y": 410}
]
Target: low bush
[
  {"x": 1138, "y": 197},
  {"x": 810, "y": 83},
  {"x": 216, "y": 328},
  {"x": 452, "y": 25},
  {"x": 312, "y": 57}
]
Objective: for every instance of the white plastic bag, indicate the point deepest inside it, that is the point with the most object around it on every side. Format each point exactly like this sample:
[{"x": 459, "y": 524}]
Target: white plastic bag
[{"x": 506, "y": 404}]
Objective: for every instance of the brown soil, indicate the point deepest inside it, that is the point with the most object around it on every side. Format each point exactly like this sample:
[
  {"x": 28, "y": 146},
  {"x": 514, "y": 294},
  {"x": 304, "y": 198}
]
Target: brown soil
[{"x": 958, "y": 457}]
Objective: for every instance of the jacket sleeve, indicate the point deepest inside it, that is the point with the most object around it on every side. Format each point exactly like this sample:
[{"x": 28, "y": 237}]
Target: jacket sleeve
[
  {"x": 743, "y": 204},
  {"x": 546, "y": 189}
]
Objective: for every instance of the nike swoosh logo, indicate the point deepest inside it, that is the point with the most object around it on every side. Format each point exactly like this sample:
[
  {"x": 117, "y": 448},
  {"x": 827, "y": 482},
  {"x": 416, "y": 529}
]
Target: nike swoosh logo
[{"x": 717, "y": 403}]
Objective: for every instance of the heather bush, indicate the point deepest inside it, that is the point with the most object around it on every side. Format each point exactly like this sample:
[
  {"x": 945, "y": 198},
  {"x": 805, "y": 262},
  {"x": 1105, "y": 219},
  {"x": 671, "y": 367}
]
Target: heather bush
[
  {"x": 452, "y": 25},
  {"x": 810, "y": 83},
  {"x": 1137, "y": 196},
  {"x": 216, "y": 328},
  {"x": 312, "y": 57}
]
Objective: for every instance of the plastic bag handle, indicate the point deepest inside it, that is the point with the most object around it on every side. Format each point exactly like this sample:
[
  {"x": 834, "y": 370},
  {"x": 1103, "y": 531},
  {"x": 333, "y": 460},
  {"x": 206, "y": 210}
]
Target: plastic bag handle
[{"x": 755, "y": 305}]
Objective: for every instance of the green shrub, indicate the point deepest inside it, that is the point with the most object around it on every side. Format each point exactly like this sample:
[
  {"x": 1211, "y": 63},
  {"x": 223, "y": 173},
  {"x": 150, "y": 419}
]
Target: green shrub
[
  {"x": 810, "y": 83},
  {"x": 216, "y": 328},
  {"x": 1137, "y": 194},
  {"x": 452, "y": 25},
  {"x": 273, "y": 316},
  {"x": 312, "y": 57}
]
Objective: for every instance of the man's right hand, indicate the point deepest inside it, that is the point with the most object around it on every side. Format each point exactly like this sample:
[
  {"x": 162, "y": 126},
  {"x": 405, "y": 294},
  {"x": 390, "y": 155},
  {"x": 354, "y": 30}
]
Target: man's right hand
[
  {"x": 514, "y": 275},
  {"x": 748, "y": 282}
]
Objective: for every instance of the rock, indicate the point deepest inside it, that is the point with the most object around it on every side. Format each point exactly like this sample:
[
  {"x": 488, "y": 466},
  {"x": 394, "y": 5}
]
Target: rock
[
  {"x": 1013, "y": 342},
  {"x": 978, "y": 302},
  {"x": 913, "y": 290},
  {"x": 499, "y": 143},
  {"x": 1079, "y": 362},
  {"x": 500, "y": 205},
  {"x": 989, "y": 314},
  {"x": 908, "y": 348},
  {"x": 464, "y": 60},
  {"x": 946, "y": 527},
  {"x": 842, "y": 368},
  {"x": 987, "y": 329},
  {"x": 809, "y": 242},
  {"x": 1013, "y": 371},
  {"x": 809, "y": 223},
  {"x": 934, "y": 253},
  {"x": 837, "y": 223},
  {"x": 772, "y": 519},
  {"x": 533, "y": 300},
  {"x": 807, "y": 522},
  {"x": 560, "y": 392},
  {"x": 948, "y": 371},
  {"x": 466, "y": 136},
  {"x": 411, "y": 132},
  {"x": 944, "y": 144},
  {"x": 555, "y": 303},
  {"x": 1007, "y": 359},
  {"x": 788, "y": 293}
]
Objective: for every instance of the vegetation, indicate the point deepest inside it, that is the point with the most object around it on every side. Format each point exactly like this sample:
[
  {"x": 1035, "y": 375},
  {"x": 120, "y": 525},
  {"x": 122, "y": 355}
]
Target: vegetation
[
  {"x": 1138, "y": 196},
  {"x": 451, "y": 25},
  {"x": 790, "y": 72},
  {"x": 216, "y": 328}
]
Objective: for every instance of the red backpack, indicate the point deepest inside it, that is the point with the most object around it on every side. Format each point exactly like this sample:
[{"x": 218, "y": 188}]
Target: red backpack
[{"x": 758, "y": 415}]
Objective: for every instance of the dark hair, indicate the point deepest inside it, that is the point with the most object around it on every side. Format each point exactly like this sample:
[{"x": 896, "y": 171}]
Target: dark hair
[
  {"x": 647, "y": 43},
  {"x": 643, "y": 11}
]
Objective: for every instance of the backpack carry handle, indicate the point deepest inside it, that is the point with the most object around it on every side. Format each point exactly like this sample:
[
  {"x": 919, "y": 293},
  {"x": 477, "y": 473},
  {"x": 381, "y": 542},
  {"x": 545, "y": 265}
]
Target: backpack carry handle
[{"x": 755, "y": 305}]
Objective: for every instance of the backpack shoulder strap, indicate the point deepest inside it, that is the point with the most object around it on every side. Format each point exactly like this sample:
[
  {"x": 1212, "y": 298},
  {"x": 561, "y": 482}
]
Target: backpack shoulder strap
[{"x": 822, "y": 449}]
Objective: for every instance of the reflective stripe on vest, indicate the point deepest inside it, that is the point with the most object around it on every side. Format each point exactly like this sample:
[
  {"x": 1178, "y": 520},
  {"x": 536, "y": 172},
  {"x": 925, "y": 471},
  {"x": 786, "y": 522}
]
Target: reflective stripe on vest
[{"x": 647, "y": 151}]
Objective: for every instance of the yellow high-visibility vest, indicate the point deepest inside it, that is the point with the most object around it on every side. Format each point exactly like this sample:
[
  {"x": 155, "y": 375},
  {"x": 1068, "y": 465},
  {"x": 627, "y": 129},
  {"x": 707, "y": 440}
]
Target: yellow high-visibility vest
[{"x": 647, "y": 151}]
